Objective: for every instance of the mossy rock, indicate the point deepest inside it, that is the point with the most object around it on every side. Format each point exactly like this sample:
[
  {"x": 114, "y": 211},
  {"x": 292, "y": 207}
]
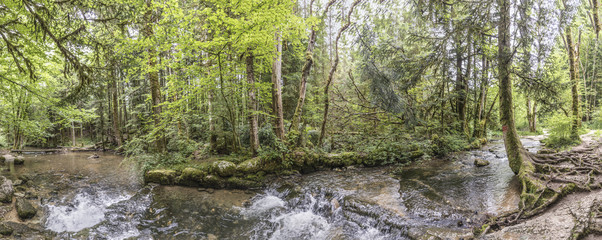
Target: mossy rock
[
  {"x": 235, "y": 182},
  {"x": 24, "y": 209},
  {"x": 479, "y": 162},
  {"x": 2, "y": 158},
  {"x": 252, "y": 165},
  {"x": 213, "y": 181},
  {"x": 224, "y": 168},
  {"x": 191, "y": 176},
  {"x": 342, "y": 159},
  {"x": 5, "y": 230},
  {"x": 160, "y": 176},
  {"x": 19, "y": 160}
]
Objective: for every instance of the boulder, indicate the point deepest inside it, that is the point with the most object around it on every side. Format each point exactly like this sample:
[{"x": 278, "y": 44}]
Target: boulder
[
  {"x": 191, "y": 176},
  {"x": 24, "y": 209},
  {"x": 6, "y": 190},
  {"x": 19, "y": 160},
  {"x": 5, "y": 230},
  {"x": 224, "y": 168},
  {"x": 252, "y": 165},
  {"x": 479, "y": 162},
  {"x": 160, "y": 176}
]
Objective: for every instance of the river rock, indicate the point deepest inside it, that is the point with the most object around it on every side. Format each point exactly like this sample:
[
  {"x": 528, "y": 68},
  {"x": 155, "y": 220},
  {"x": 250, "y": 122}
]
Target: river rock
[
  {"x": 224, "y": 168},
  {"x": 19, "y": 160},
  {"x": 24, "y": 209},
  {"x": 5, "y": 230},
  {"x": 250, "y": 166},
  {"x": 160, "y": 176},
  {"x": 479, "y": 162},
  {"x": 6, "y": 190}
]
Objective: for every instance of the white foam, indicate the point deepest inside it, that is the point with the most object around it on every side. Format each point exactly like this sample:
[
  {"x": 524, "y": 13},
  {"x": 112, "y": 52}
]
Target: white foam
[
  {"x": 263, "y": 205},
  {"x": 300, "y": 225},
  {"x": 86, "y": 211}
]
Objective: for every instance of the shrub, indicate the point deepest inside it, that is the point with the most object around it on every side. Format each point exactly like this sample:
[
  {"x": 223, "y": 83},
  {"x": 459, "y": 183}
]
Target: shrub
[{"x": 559, "y": 127}]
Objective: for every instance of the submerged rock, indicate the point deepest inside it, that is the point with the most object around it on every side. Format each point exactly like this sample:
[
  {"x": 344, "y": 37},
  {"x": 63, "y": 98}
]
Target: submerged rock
[
  {"x": 24, "y": 209},
  {"x": 224, "y": 168},
  {"x": 479, "y": 162},
  {"x": 6, "y": 190}
]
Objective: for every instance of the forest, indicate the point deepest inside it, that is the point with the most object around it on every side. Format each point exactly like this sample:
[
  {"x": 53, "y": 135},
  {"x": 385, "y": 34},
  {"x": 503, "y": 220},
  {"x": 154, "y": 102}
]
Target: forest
[{"x": 232, "y": 93}]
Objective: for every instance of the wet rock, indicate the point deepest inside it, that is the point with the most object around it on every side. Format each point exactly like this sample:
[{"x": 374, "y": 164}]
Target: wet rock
[
  {"x": 546, "y": 151},
  {"x": 24, "y": 209},
  {"x": 94, "y": 156},
  {"x": 224, "y": 168},
  {"x": 19, "y": 160},
  {"x": 160, "y": 176},
  {"x": 479, "y": 162},
  {"x": 5, "y": 230},
  {"x": 335, "y": 203},
  {"x": 2, "y": 158},
  {"x": 213, "y": 181},
  {"x": 6, "y": 190}
]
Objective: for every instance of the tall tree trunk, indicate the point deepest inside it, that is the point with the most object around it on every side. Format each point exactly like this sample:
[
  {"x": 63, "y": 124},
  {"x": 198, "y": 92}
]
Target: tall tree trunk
[
  {"x": 72, "y": 134},
  {"x": 277, "y": 89},
  {"x": 252, "y": 104},
  {"x": 333, "y": 69},
  {"x": 574, "y": 83},
  {"x": 153, "y": 76},
  {"x": 478, "y": 130},
  {"x": 514, "y": 148},
  {"x": 116, "y": 129}
]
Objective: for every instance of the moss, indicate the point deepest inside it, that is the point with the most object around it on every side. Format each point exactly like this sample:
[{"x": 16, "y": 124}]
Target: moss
[
  {"x": 342, "y": 159},
  {"x": 235, "y": 182},
  {"x": 249, "y": 166},
  {"x": 160, "y": 176},
  {"x": 213, "y": 181},
  {"x": 416, "y": 154},
  {"x": 224, "y": 168},
  {"x": 191, "y": 176}
]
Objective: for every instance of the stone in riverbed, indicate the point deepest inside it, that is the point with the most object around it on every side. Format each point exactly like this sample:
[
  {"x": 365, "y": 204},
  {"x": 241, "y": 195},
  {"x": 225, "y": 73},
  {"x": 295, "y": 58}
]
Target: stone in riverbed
[
  {"x": 160, "y": 176},
  {"x": 19, "y": 160},
  {"x": 5, "y": 230},
  {"x": 479, "y": 162},
  {"x": 224, "y": 168},
  {"x": 6, "y": 190},
  {"x": 252, "y": 165},
  {"x": 24, "y": 209}
]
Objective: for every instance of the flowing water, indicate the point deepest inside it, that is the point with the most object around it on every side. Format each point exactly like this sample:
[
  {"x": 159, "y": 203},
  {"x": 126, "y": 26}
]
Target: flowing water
[{"x": 100, "y": 198}]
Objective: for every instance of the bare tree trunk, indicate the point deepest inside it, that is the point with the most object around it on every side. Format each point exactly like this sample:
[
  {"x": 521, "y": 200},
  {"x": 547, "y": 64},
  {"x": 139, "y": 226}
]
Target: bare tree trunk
[
  {"x": 72, "y": 134},
  {"x": 333, "y": 69},
  {"x": 277, "y": 89},
  {"x": 252, "y": 105}
]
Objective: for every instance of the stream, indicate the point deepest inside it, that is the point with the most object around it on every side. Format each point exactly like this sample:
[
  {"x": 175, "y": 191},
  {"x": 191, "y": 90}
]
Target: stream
[{"x": 100, "y": 198}]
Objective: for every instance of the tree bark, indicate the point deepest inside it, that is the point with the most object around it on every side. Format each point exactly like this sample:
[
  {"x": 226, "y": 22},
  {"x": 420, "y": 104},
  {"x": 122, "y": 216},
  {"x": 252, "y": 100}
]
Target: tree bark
[
  {"x": 277, "y": 89},
  {"x": 153, "y": 76},
  {"x": 576, "y": 122},
  {"x": 514, "y": 148},
  {"x": 252, "y": 104},
  {"x": 116, "y": 129}
]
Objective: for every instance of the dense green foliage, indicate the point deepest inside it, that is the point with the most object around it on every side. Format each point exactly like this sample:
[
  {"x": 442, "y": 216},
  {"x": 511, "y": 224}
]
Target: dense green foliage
[{"x": 167, "y": 82}]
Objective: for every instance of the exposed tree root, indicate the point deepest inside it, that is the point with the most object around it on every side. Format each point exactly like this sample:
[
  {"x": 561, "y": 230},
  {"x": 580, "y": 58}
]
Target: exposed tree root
[{"x": 546, "y": 178}]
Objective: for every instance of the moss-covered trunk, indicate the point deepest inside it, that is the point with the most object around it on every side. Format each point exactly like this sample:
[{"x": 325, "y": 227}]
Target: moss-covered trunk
[{"x": 574, "y": 82}]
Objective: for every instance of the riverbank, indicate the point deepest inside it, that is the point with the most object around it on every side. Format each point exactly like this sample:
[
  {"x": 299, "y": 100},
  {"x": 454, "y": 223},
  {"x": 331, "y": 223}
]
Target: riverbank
[{"x": 240, "y": 173}]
